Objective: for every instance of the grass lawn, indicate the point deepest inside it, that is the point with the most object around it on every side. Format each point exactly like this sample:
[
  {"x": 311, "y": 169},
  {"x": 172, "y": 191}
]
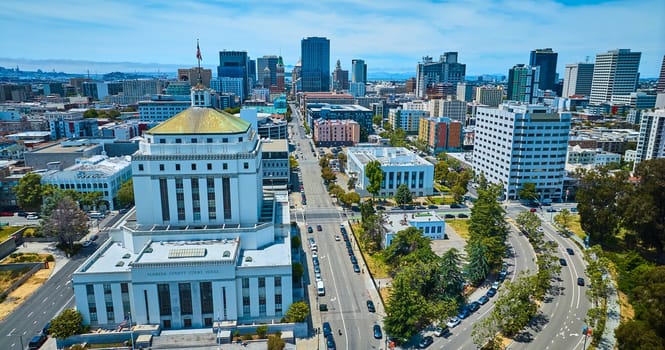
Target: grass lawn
[
  {"x": 7, "y": 231},
  {"x": 461, "y": 227},
  {"x": 375, "y": 264},
  {"x": 575, "y": 227}
]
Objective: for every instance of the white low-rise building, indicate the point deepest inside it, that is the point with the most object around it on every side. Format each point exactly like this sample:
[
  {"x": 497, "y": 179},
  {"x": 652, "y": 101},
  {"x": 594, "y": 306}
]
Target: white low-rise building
[
  {"x": 205, "y": 243},
  {"x": 429, "y": 223},
  {"x": 95, "y": 174},
  {"x": 399, "y": 166}
]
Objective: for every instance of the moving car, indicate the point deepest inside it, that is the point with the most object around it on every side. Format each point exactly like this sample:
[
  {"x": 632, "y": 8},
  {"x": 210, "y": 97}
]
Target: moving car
[
  {"x": 425, "y": 342},
  {"x": 570, "y": 251},
  {"x": 337, "y": 238},
  {"x": 310, "y": 229},
  {"x": 37, "y": 341},
  {"x": 453, "y": 322},
  {"x": 370, "y": 306},
  {"x": 377, "y": 332},
  {"x": 533, "y": 210},
  {"x": 580, "y": 281},
  {"x": 563, "y": 262},
  {"x": 319, "y": 228}
]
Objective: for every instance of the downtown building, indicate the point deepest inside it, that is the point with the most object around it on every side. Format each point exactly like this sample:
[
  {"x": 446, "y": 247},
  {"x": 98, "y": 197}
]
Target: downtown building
[
  {"x": 615, "y": 73},
  {"x": 441, "y": 134},
  {"x": 205, "y": 242},
  {"x": 651, "y": 142},
  {"x": 432, "y": 74},
  {"x": 330, "y": 133},
  {"x": 519, "y": 143},
  {"x": 489, "y": 95},
  {"x": 577, "y": 79},
  {"x": 233, "y": 73},
  {"x": 523, "y": 83},
  {"x": 546, "y": 60},
  {"x": 315, "y": 64}
]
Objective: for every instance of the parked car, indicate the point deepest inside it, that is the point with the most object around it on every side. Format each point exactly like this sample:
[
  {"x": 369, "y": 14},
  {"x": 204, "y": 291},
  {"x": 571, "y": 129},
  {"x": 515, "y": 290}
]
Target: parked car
[
  {"x": 86, "y": 243},
  {"x": 32, "y": 217},
  {"x": 330, "y": 343},
  {"x": 442, "y": 331},
  {"x": 377, "y": 332},
  {"x": 449, "y": 216},
  {"x": 453, "y": 322},
  {"x": 310, "y": 229},
  {"x": 474, "y": 306},
  {"x": 491, "y": 292},
  {"x": 462, "y": 216},
  {"x": 455, "y": 205},
  {"x": 551, "y": 210},
  {"x": 354, "y": 260},
  {"x": 327, "y": 330},
  {"x": 319, "y": 228},
  {"x": 483, "y": 300},
  {"x": 464, "y": 313},
  {"x": 425, "y": 342},
  {"x": 37, "y": 341},
  {"x": 356, "y": 268},
  {"x": 432, "y": 206},
  {"x": 380, "y": 207},
  {"x": 533, "y": 210},
  {"x": 370, "y": 306}
]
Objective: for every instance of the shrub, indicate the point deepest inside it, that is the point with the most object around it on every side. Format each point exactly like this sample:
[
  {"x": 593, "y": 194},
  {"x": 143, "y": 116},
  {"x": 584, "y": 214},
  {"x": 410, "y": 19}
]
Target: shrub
[
  {"x": 247, "y": 337},
  {"x": 50, "y": 258},
  {"x": 261, "y": 331}
]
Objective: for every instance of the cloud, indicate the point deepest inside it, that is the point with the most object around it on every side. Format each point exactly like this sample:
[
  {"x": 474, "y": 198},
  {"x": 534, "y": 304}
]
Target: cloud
[{"x": 391, "y": 35}]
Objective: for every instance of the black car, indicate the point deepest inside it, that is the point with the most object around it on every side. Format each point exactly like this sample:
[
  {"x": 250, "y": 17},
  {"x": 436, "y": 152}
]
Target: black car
[
  {"x": 474, "y": 306},
  {"x": 425, "y": 342},
  {"x": 455, "y": 205},
  {"x": 370, "y": 306},
  {"x": 37, "y": 341},
  {"x": 327, "y": 330},
  {"x": 380, "y": 207},
  {"x": 462, "y": 216},
  {"x": 570, "y": 251},
  {"x": 330, "y": 343},
  {"x": 563, "y": 262},
  {"x": 356, "y": 268},
  {"x": 432, "y": 206},
  {"x": 377, "y": 332},
  {"x": 580, "y": 281},
  {"x": 354, "y": 260},
  {"x": 319, "y": 228},
  {"x": 449, "y": 216}
]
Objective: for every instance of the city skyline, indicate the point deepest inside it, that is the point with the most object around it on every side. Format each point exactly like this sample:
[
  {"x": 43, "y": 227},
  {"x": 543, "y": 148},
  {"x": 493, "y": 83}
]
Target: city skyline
[{"x": 391, "y": 37}]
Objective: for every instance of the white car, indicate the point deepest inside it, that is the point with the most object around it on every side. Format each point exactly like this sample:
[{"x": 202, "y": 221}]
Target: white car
[
  {"x": 317, "y": 276},
  {"x": 495, "y": 285},
  {"x": 453, "y": 322},
  {"x": 87, "y": 243},
  {"x": 32, "y": 217}
]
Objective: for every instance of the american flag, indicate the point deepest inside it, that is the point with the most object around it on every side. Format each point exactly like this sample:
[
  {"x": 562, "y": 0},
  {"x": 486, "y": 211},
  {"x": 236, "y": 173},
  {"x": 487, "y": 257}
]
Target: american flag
[{"x": 198, "y": 52}]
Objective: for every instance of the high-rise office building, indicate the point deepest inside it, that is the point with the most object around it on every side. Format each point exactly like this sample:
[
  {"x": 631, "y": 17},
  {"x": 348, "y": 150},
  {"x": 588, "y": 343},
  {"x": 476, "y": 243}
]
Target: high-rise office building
[
  {"x": 269, "y": 62},
  {"x": 651, "y": 142},
  {"x": 536, "y": 153},
  {"x": 615, "y": 73},
  {"x": 465, "y": 92},
  {"x": 251, "y": 72},
  {"x": 358, "y": 71},
  {"x": 523, "y": 83},
  {"x": 546, "y": 60},
  {"x": 340, "y": 78},
  {"x": 489, "y": 95},
  {"x": 446, "y": 70},
  {"x": 235, "y": 64},
  {"x": 280, "y": 74},
  {"x": 577, "y": 79},
  {"x": 661, "y": 79},
  {"x": 315, "y": 64}
]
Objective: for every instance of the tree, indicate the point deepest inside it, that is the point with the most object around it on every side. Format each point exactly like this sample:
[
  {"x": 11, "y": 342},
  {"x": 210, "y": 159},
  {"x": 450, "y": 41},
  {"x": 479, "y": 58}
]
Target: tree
[
  {"x": 403, "y": 195},
  {"x": 377, "y": 120},
  {"x": 484, "y": 333},
  {"x": 68, "y": 323},
  {"x": 528, "y": 192},
  {"x": 487, "y": 224},
  {"x": 293, "y": 163},
  {"x": 351, "y": 184},
  {"x": 530, "y": 224},
  {"x": 407, "y": 309},
  {"x": 275, "y": 342},
  {"x": 89, "y": 199},
  {"x": 598, "y": 197},
  {"x": 637, "y": 334},
  {"x": 297, "y": 271},
  {"x": 649, "y": 299},
  {"x": 458, "y": 192},
  {"x": 90, "y": 113},
  {"x": 113, "y": 114},
  {"x": 328, "y": 175},
  {"x": 342, "y": 159},
  {"x": 441, "y": 170},
  {"x": 407, "y": 242},
  {"x": 53, "y": 196},
  {"x": 644, "y": 207},
  {"x": 297, "y": 312},
  {"x": 295, "y": 242},
  {"x": 126, "y": 194},
  {"x": 67, "y": 222},
  {"x": 374, "y": 174},
  {"x": 515, "y": 307},
  {"x": 563, "y": 220},
  {"x": 352, "y": 197},
  {"x": 478, "y": 267},
  {"x": 398, "y": 138},
  {"x": 323, "y": 162},
  {"x": 29, "y": 192},
  {"x": 450, "y": 274}
]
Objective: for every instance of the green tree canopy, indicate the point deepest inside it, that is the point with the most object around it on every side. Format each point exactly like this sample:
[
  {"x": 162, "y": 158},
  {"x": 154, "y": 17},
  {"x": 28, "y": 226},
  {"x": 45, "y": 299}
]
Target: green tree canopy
[
  {"x": 645, "y": 206},
  {"x": 529, "y": 223},
  {"x": 68, "y": 323},
  {"x": 297, "y": 270},
  {"x": 407, "y": 309},
  {"x": 374, "y": 174},
  {"x": 297, "y": 312},
  {"x": 29, "y": 192},
  {"x": 90, "y": 113},
  {"x": 408, "y": 242},
  {"x": 126, "y": 194},
  {"x": 478, "y": 266},
  {"x": 450, "y": 274},
  {"x": 403, "y": 195},
  {"x": 528, "y": 192},
  {"x": 515, "y": 307}
]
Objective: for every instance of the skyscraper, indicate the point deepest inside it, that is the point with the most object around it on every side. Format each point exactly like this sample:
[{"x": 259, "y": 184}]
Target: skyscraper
[
  {"x": 615, "y": 73},
  {"x": 358, "y": 71},
  {"x": 315, "y": 60},
  {"x": 340, "y": 78},
  {"x": 546, "y": 60},
  {"x": 651, "y": 142},
  {"x": 446, "y": 70},
  {"x": 661, "y": 80},
  {"x": 523, "y": 83},
  {"x": 235, "y": 64},
  {"x": 577, "y": 79},
  {"x": 280, "y": 74},
  {"x": 271, "y": 63}
]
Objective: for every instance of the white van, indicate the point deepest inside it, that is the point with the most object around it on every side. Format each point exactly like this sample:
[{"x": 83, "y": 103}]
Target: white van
[
  {"x": 320, "y": 289},
  {"x": 95, "y": 215}
]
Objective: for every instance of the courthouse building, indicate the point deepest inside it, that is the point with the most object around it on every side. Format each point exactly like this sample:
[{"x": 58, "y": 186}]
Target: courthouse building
[{"x": 205, "y": 243}]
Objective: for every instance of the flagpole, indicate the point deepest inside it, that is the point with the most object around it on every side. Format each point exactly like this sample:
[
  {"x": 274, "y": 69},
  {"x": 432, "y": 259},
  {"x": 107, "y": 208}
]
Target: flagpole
[{"x": 198, "y": 58}]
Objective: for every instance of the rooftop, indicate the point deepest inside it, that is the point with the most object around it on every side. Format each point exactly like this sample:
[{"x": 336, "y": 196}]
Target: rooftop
[
  {"x": 200, "y": 120},
  {"x": 398, "y": 222},
  {"x": 388, "y": 156},
  {"x": 275, "y": 145}
]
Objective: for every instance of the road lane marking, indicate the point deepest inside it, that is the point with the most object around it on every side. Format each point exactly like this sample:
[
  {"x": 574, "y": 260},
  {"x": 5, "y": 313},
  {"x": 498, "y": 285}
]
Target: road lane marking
[{"x": 30, "y": 314}]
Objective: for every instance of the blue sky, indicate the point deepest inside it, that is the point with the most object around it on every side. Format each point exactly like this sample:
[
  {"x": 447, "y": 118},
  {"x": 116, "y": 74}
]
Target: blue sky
[{"x": 391, "y": 35}]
